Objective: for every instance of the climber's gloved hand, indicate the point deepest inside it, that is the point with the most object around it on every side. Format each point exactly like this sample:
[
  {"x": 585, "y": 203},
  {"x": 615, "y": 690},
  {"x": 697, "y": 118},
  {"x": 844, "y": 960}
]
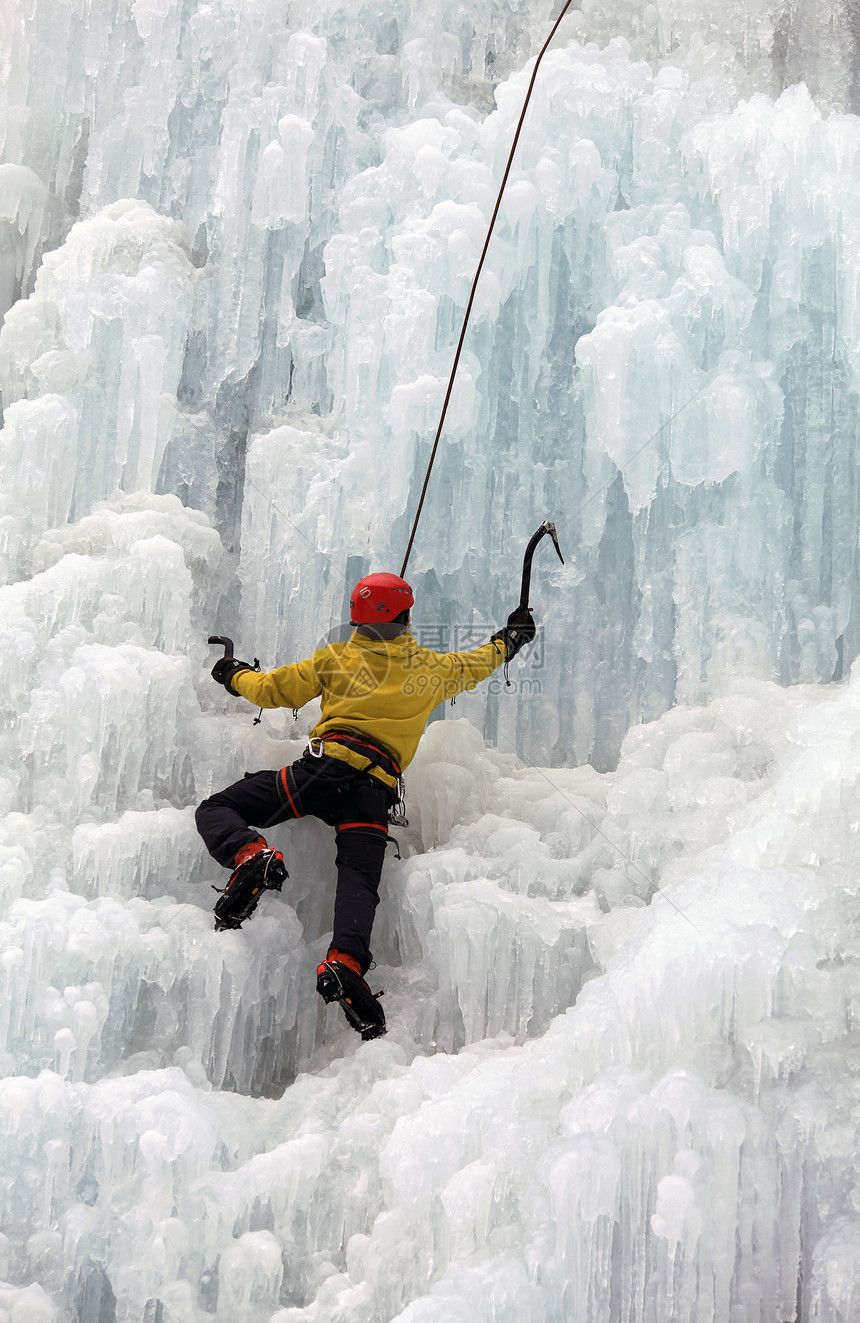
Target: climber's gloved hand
[
  {"x": 519, "y": 630},
  {"x": 224, "y": 671}
]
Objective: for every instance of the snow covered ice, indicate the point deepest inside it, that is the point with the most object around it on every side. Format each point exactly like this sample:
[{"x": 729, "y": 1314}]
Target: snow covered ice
[{"x": 621, "y": 1082}]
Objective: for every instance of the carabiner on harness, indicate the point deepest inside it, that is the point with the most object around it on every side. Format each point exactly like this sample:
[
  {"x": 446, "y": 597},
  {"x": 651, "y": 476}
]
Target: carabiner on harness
[{"x": 397, "y": 813}]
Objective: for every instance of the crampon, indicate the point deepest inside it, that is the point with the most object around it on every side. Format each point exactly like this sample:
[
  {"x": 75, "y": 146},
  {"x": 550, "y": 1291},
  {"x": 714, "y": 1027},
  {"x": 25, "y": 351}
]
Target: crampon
[
  {"x": 264, "y": 871},
  {"x": 337, "y": 982}
]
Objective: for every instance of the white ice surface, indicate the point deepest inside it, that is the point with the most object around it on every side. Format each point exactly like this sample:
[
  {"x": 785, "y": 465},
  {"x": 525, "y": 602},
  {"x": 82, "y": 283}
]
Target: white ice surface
[
  {"x": 620, "y": 1076},
  {"x": 620, "y": 951},
  {"x": 270, "y": 222},
  {"x": 659, "y": 1147}
]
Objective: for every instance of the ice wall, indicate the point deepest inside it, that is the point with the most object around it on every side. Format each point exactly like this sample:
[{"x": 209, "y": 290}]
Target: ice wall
[
  {"x": 85, "y": 362},
  {"x": 664, "y": 349},
  {"x": 236, "y": 242},
  {"x": 676, "y": 402},
  {"x": 680, "y": 1139}
]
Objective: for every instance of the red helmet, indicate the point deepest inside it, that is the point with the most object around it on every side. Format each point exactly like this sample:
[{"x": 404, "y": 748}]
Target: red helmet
[{"x": 378, "y": 598}]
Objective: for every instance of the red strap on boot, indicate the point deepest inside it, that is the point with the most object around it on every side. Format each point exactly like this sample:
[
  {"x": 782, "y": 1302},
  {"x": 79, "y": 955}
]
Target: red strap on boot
[
  {"x": 341, "y": 958},
  {"x": 248, "y": 851}
]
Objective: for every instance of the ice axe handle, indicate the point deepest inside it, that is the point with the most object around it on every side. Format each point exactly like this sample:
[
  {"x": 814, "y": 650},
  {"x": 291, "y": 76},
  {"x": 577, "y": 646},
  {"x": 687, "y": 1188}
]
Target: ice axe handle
[
  {"x": 546, "y": 527},
  {"x": 226, "y": 644}
]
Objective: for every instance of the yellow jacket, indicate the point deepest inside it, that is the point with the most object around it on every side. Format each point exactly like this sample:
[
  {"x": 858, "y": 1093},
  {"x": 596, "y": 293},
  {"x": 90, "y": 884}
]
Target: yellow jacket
[{"x": 385, "y": 690}]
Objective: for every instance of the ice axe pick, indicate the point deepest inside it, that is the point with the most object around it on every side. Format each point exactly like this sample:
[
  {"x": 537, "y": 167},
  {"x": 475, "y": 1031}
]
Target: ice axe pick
[{"x": 546, "y": 527}]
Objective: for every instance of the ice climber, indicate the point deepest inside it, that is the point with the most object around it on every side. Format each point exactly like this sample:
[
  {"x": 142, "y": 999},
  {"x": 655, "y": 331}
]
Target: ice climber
[{"x": 378, "y": 691}]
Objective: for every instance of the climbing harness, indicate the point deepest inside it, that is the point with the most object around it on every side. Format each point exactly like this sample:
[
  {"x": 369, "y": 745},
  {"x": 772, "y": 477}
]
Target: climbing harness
[
  {"x": 464, "y": 327},
  {"x": 375, "y": 755}
]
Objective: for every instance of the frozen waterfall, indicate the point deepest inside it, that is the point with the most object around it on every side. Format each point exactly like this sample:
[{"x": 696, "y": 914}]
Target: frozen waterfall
[{"x": 621, "y": 1082}]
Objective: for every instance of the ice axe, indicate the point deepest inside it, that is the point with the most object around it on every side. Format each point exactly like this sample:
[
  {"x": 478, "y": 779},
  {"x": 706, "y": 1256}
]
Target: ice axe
[
  {"x": 546, "y": 527},
  {"x": 226, "y": 644}
]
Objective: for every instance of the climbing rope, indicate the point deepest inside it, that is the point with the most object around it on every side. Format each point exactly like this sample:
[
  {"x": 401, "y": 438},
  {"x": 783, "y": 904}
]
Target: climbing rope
[{"x": 464, "y": 327}]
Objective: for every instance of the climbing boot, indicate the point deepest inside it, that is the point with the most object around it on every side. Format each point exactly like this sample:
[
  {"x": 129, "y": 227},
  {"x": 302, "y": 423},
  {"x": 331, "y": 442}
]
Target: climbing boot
[
  {"x": 339, "y": 979},
  {"x": 258, "y": 869}
]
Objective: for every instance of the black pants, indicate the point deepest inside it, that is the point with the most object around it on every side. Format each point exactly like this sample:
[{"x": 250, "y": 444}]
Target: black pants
[{"x": 352, "y": 802}]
